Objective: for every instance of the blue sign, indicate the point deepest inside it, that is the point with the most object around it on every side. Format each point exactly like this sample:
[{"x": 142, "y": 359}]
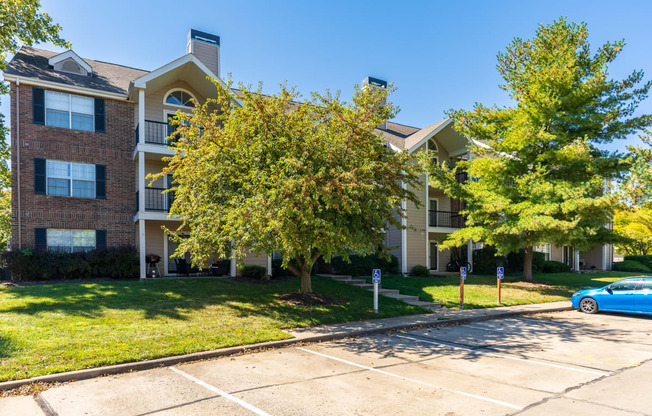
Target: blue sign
[
  {"x": 501, "y": 272},
  {"x": 463, "y": 273},
  {"x": 375, "y": 276}
]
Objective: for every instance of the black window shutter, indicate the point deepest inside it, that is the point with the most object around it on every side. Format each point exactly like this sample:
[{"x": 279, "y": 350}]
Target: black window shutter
[
  {"x": 40, "y": 239},
  {"x": 39, "y": 176},
  {"x": 38, "y": 106},
  {"x": 99, "y": 115},
  {"x": 100, "y": 239},
  {"x": 100, "y": 181}
]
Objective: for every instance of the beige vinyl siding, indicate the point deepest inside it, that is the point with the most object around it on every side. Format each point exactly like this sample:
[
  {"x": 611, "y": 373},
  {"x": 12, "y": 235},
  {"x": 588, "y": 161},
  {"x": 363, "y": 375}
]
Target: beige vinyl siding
[
  {"x": 207, "y": 54},
  {"x": 591, "y": 258},
  {"x": 416, "y": 233},
  {"x": 556, "y": 253},
  {"x": 154, "y": 107},
  {"x": 153, "y": 167},
  {"x": 253, "y": 260},
  {"x": 154, "y": 239},
  {"x": 393, "y": 240}
]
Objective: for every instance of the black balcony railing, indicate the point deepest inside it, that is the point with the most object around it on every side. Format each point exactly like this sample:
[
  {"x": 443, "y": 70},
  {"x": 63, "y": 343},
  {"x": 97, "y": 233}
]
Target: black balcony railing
[
  {"x": 446, "y": 219},
  {"x": 461, "y": 177},
  {"x": 156, "y": 200},
  {"x": 156, "y": 132}
]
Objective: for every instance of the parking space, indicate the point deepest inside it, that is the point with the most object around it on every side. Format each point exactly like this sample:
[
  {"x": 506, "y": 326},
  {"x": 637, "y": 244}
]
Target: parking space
[{"x": 559, "y": 363}]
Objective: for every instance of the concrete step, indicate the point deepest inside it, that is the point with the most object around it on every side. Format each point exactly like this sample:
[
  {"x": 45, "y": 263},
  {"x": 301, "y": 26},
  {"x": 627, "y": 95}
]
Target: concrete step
[
  {"x": 403, "y": 298},
  {"x": 429, "y": 305},
  {"x": 356, "y": 281},
  {"x": 364, "y": 285},
  {"x": 387, "y": 292}
]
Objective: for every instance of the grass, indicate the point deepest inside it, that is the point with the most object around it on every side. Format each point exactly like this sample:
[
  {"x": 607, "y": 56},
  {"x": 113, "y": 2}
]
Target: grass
[
  {"x": 53, "y": 328},
  {"x": 481, "y": 291}
]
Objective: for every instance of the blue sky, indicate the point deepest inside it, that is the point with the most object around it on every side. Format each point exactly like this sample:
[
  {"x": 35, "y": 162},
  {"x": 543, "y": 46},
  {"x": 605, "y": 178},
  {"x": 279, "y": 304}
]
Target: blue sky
[{"x": 439, "y": 54}]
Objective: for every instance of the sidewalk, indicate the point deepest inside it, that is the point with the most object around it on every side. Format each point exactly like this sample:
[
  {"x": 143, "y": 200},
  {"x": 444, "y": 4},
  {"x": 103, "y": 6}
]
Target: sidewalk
[{"x": 21, "y": 405}]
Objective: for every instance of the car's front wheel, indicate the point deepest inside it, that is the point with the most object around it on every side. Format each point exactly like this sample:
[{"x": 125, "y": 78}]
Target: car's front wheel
[{"x": 588, "y": 305}]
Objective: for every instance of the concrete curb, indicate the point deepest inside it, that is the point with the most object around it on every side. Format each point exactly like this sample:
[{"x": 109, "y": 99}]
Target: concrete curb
[{"x": 222, "y": 352}]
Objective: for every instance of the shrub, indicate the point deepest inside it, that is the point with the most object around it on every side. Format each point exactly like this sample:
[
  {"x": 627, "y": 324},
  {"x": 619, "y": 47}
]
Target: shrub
[
  {"x": 485, "y": 260},
  {"x": 644, "y": 260},
  {"x": 630, "y": 266},
  {"x": 115, "y": 263},
  {"x": 254, "y": 272},
  {"x": 420, "y": 271},
  {"x": 515, "y": 261},
  {"x": 555, "y": 267},
  {"x": 363, "y": 265}
]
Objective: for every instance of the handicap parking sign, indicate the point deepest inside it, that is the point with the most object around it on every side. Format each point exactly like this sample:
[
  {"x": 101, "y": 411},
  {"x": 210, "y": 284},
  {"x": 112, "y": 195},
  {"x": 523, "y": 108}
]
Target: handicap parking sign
[
  {"x": 375, "y": 276},
  {"x": 501, "y": 272},
  {"x": 463, "y": 273}
]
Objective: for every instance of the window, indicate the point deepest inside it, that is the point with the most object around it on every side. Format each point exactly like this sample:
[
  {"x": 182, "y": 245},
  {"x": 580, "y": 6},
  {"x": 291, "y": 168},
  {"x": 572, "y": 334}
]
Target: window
[
  {"x": 69, "y": 111},
  {"x": 70, "y": 241},
  {"x": 625, "y": 285},
  {"x": 179, "y": 98},
  {"x": 70, "y": 179}
]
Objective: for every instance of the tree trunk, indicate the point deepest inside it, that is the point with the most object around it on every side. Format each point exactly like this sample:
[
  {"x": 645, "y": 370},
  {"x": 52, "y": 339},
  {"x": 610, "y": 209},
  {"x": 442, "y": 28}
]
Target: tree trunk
[
  {"x": 527, "y": 264},
  {"x": 306, "y": 282}
]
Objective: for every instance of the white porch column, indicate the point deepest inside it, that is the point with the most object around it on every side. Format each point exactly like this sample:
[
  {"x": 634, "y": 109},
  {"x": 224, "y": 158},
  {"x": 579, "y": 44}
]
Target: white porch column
[
  {"x": 142, "y": 249},
  {"x": 470, "y": 251},
  {"x": 404, "y": 268},
  {"x": 233, "y": 270},
  {"x": 166, "y": 255},
  {"x": 141, "y": 181},
  {"x": 427, "y": 204},
  {"x": 577, "y": 260},
  {"x": 141, "y": 115},
  {"x": 269, "y": 265}
]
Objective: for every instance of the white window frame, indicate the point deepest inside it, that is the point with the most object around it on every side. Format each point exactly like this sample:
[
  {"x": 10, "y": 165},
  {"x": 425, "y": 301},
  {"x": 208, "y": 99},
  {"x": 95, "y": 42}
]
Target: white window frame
[
  {"x": 70, "y": 178},
  {"x": 70, "y": 112},
  {"x": 173, "y": 90},
  {"x": 71, "y": 245}
]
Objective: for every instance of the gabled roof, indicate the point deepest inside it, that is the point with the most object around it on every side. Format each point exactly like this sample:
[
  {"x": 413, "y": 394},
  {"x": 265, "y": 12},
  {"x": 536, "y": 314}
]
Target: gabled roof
[
  {"x": 417, "y": 139},
  {"x": 70, "y": 54},
  {"x": 33, "y": 63}
]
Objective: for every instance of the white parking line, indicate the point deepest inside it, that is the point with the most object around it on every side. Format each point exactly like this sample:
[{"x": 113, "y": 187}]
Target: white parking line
[
  {"x": 641, "y": 351},
  {"x": 597, "y": 373},
  {"x": 493, "y": 330},
  {"x": 486, "y": 399},
  {"x": 221, "y": 393}
]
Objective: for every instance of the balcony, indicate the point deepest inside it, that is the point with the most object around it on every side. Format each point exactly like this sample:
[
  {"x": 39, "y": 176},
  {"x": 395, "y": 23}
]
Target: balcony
[
  {"x": 156, "y": 132},
  {"x": 156, "y": 200},
  {"x": 446, "y": 219}
]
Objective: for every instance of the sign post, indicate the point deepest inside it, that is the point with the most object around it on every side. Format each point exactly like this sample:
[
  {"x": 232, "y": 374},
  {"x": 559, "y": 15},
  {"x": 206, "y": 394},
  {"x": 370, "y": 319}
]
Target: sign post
[
  {"x": 462, "y": 279},
  {"x": 375, "y": 279},
  {"x": 500, "y": 272}
]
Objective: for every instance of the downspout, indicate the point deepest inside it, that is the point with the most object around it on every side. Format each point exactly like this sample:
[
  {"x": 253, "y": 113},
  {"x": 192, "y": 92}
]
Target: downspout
[{"x": 20, "y": 229}]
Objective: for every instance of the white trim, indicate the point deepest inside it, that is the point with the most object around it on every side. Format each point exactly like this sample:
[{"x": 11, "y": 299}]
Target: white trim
[
  {"x": 153, "y": 148},
  {"x": 432, "y": 139},
  {"x": 404, "y": 234},
  {"x": 436, "y": 269},
  {"x": 141, "y": 116},
  {"x": 70, "y": 54},
  {"x": 165, "y": 97},
  {"x": 427, "y": 224},
  {"x": 269, "y": 265},
  {"x": 142, "y": 247},
  {"x": 166, "y": 254},
  {"x": 67, "y": 88},
  {"x": 155, "y": 215},
  {"x": 430, "y": 135}
]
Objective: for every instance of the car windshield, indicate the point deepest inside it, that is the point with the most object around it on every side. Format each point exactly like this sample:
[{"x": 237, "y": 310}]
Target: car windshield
[{"x": 625, "y": 285}]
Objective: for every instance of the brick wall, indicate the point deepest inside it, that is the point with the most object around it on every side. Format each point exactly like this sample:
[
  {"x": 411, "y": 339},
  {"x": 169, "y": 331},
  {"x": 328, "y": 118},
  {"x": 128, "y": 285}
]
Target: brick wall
[{"x": 113, "y": 149}]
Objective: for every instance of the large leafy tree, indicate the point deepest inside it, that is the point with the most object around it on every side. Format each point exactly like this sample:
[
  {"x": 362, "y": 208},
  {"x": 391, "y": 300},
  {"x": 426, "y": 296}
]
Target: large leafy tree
[
  {"x": 21, "y": 22},
  {"x": 261, "y": 174},
  {"x": 636, "y": 186},
  {"x": 538, "y": 175},
  {"x": 634, "y": 227}
]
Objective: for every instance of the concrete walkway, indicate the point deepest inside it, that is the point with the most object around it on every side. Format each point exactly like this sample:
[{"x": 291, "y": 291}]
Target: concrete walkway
[{"x": 442, "y": 317}]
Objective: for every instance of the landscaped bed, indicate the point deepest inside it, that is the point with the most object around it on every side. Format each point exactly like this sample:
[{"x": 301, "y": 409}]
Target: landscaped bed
[
  {"x": 53, "y": 328},
  {"x": 480, "y": 291}
]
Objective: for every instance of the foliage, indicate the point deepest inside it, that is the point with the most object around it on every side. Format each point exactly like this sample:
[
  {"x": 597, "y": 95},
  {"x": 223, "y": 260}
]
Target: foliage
[
  {"x": 254, "y": 272},
  {"x": 21, "y": 22},
  {"x": 538, "y": 175},
  {"x": 419, "y": 271},
  {"x": 363, "y": 265},
  {"x": 634, "y": 229},
  {"x": 486, "y": 259},
  {"x": 636, "y": 187},
  {"x": 256, "y": 173},
  {"x": 5, "y": 219},
  {"x": 118, "y": 263},
  {"x": 646, "y": 260},
  {"x": 52, "y": 328},
  {"x": 551, "y": 266},
  {"x": 631, "y": 266},
  {"x": 515, "y": 261}
]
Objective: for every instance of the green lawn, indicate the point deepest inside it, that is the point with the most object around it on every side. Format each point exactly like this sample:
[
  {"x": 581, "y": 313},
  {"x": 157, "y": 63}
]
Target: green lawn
[
  {"x": 481, "y": 291},
  {"x": 61, "y": 327}
]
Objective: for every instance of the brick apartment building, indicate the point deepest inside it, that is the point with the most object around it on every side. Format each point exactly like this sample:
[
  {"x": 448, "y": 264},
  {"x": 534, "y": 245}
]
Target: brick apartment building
[{"x": 85, "y": 134}]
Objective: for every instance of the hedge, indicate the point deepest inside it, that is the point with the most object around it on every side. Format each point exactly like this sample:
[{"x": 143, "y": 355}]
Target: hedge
[
  {"x": 363, "y": 265},
  {"x": 631, "y": 266},
  {"x": 555, "y": 267},
  {"x": 420, "y": 271},
  {"x": 115, "y": 263},
  {"x": 254, "y": 272},
  {"x": 645, "y": 260}
]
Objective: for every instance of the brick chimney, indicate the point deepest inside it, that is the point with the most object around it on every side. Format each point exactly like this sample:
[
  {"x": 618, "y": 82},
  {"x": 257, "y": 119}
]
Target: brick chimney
[
  {"x": 371, "y": 82},
  {"x": 206, "y": 48}
]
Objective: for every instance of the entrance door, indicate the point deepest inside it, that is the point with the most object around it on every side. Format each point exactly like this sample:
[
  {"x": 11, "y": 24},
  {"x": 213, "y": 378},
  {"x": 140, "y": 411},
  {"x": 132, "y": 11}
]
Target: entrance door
[
  {"x": 568, "y": 256},
  {"x": 433, "y": 220},
  {"x": 434, "y": 256},
  {"x": 174, "y": 264}
]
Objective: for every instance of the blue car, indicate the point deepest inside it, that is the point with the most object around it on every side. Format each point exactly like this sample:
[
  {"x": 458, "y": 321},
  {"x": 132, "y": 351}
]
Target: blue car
[{"x": 633, "y": 295}]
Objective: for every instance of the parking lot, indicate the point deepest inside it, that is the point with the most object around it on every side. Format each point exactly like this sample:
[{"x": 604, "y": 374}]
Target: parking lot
[{"x": 561, "y": 363}]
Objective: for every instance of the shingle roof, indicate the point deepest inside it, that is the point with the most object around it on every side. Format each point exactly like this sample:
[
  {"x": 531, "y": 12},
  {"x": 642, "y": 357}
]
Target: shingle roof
[
  {"x": 33, "y": 63},
  {"x": 421, "y": 134},
  {"x": 397, "y": 133}
]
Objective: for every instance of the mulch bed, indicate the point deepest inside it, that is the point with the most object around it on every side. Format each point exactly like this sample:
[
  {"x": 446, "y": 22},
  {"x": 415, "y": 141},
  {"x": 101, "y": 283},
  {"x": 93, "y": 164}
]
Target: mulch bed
[{"x": 309, "y": 299}]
